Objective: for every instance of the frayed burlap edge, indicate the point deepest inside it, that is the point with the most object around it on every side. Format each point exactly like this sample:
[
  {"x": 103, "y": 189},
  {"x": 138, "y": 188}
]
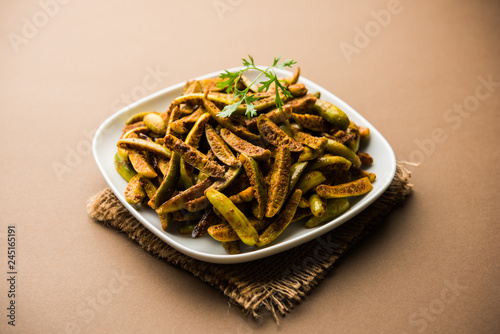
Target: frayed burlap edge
[{"x": 268, "y": 286}]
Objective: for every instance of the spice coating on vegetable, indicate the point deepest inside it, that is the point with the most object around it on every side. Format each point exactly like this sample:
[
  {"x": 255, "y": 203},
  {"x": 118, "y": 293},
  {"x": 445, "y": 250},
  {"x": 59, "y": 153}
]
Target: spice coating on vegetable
[{"x": 205, "y": 166}]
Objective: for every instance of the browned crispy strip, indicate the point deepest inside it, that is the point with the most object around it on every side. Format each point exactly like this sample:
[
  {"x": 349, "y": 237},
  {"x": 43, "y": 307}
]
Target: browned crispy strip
[
  {"x": 311, "y": 122},
  {"x": 182, "y": 125},
  {"x": 314, "y": 142},
  {"x": 279, "y": 180},
  {"x": 257, "y": 181},
  {"x": 208, "y": 219},
  {"x": 140, "y": 163},
  {"x": 178, "y": 202},
  {"x": 202, "y": 202},
  {"x": 219, "y": 147},
  {"x": 174, "y": 115},
  {"x": 282, "y": 221},
  {"x": 194, "y": 157},
  {"x": 242, "y": 146},
  {"x": 275, "y": 136},
  {"x": 302, "y": 104}
]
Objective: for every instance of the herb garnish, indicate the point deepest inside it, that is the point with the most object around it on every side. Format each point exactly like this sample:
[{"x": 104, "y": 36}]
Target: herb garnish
[{"x": 231, "y": 85}]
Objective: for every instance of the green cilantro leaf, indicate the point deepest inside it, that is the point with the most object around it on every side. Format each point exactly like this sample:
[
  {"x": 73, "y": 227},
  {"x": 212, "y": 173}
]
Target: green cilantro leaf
[{"x": 231, "y": 79}]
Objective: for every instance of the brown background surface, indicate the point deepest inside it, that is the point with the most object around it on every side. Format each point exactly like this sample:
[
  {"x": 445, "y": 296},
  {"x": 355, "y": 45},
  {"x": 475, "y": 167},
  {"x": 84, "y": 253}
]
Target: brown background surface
[{"x": 74, "y": 71}]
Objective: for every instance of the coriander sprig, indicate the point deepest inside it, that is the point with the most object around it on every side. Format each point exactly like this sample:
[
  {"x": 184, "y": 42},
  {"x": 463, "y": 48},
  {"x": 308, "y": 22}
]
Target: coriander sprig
[{"x": 231, "y": 79}]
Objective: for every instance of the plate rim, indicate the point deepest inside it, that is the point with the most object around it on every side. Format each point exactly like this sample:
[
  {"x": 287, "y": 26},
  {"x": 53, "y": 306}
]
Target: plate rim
[{"x": 271, "y": 249}]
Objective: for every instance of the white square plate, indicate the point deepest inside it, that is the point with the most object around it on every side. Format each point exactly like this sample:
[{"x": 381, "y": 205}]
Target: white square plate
[{"x": 206, "y": 248}]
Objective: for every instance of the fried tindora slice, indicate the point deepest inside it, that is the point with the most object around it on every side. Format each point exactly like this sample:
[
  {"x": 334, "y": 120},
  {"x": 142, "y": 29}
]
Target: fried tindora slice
[
  {"x": 354, "y": 188},
  {"x": 257, "y": 181},
  {"x": 242, "y": 146},
  {"x": 194, "y": 157},
  {"x": 312, "y": 122},
  {"x": 282, "y": 221},
  {"x": 275, "y": 136},
  {"x": 238, "y": 221},
  {"x": 219, "y": 147},
  {"x": 280, "y": 178}
]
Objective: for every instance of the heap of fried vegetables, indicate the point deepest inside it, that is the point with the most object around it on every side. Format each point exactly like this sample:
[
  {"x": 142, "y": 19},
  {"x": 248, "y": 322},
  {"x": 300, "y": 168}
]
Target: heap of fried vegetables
[{"x": 243, "y": 179}]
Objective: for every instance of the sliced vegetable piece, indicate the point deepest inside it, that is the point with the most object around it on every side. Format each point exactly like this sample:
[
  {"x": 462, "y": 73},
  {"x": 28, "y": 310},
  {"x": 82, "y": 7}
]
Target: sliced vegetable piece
[
  {"x": 318, "y": 205},
  {"x": 140, "y": 164},
  {"x": 297, "y": 90},
  {"x": 366, "y": 159},
  {"x": 256, "y": 180},
  {"x": 332, "y": 160},
  {"x": 183, "y": 124},
  {"x": 177, "y": 202},
  {"x": 295, "y": 173},
  {"x": 202, "y": 202},
  {"x": 334, "y": 208},
  {"x": 276, "y": 116},
  {"x": 332, "y": 114},
  {"x": 242, "y": 146},
  {"x": 227, "y": 122},
  {"x": 279, "y": 181},
  {"x": 193, "y": 139},
  {"x": 311, "y": 122},
  {"x": 219, "y": 147},
  {"x": 124, "y": 168},
  {"x": 155, "y": 123},
  {"x": 353, "y": 133},
  {"x": 165, "y": 220},
  {"x": 310, "y": 180},
  {"x": 224, "y": 232},
  {"x": 134, "y": 193},
  {"x": 310, "y": 154},
  {"x": 137, "y": 117},
  {"x": 293, "y": 78},
  {"x": 193, "y": 87},
  {"x": 354, "y": 188},
  {"x": 142, "y": 144},
  {"x": 340, "y": 149},
  {"x": 194, "y": 157},
  {"x": 132, "y": 126},
  {"x": 314, "y": 142},
  {"x": 148, "y": 187},
  {"x": 162, "y": 165},
  {"x": 245, "y": 195},
  {"x": 169, "y": 183},
  {"x": 186, "y": 217},
  {"x": 275, "y": 136},
  {"x": 363, "y": 132},
  {"x": 359, "y": 174},
  {"x": 175, "y": 114},
  {"x": 249, "y": 83},
  {"x": 282, "y": 221},
  {"x": 233, "y": 216},
  {"x": 208, "y": 219},
  {"x": 302, "y": 104}
]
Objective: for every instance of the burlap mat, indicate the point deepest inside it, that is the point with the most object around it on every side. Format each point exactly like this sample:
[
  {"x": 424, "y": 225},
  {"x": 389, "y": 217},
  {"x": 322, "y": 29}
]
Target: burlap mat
[{"x": 272, "y": 285}]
